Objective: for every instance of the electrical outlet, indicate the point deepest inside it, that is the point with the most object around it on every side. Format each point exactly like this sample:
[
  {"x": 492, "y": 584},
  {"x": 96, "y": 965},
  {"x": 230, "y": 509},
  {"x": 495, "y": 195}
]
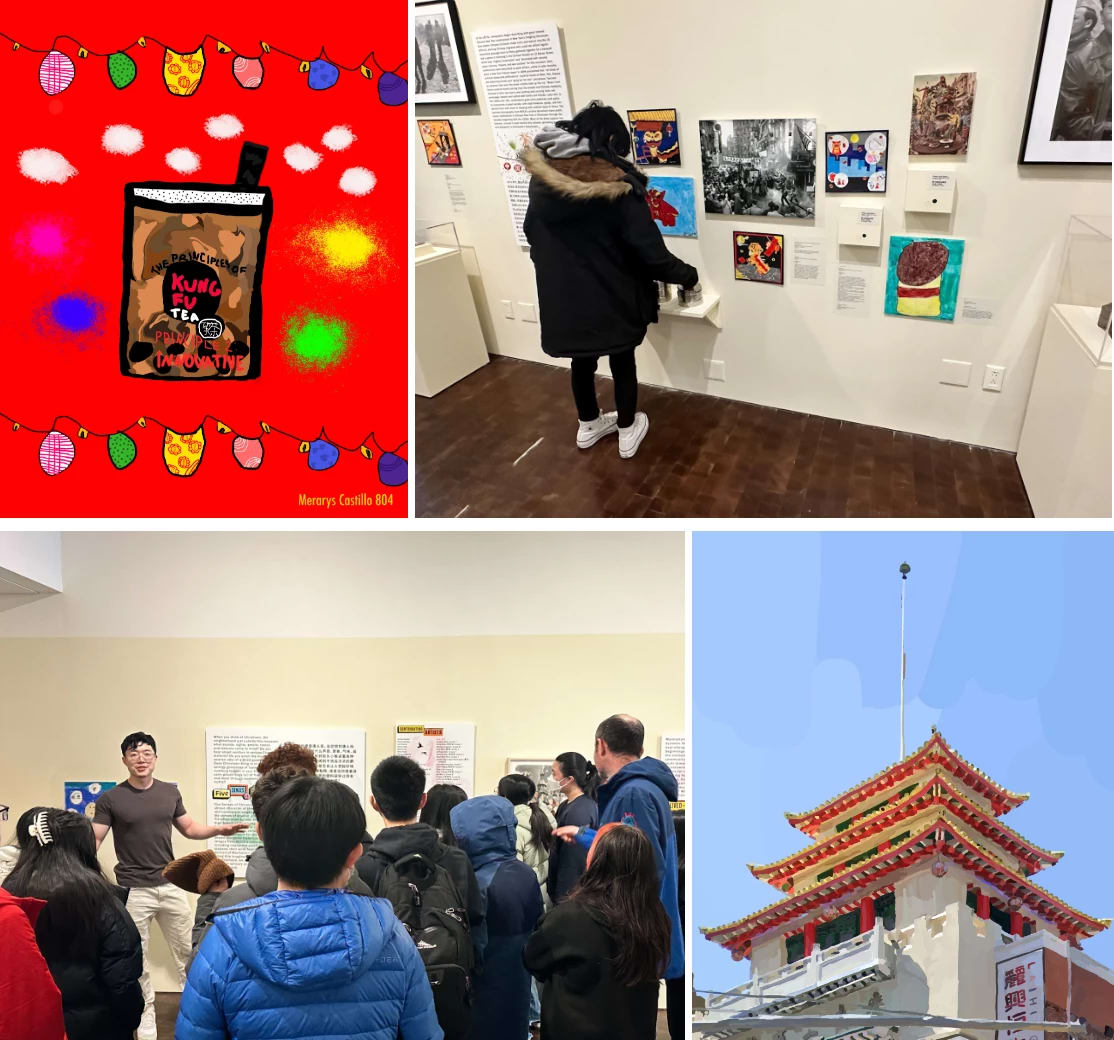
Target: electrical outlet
[
  {"x": 528, "y": 311},
  {"x": 994, "y": 377},
  {"x": 715, "y": 370},
  {"x": 955, "y": 373},
  {"x": 508, "y": 309}
]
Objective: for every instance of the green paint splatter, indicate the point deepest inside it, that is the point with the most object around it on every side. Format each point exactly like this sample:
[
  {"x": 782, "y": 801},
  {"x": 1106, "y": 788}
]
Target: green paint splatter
[{"x": 316, "y": 340}]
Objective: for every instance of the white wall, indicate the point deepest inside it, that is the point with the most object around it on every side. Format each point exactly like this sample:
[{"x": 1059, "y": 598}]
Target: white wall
[
  {"x": 32, "y": 555},
  {"x": 851, "y": 65},
  {"x": 391, "y": 584}
]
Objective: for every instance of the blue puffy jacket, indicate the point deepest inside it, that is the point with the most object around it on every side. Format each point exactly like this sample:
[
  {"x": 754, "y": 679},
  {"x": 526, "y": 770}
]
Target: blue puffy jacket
[
  {"x": 640, "y": 794},
  {"x": 485, "y": 828},
  {"x": 311, "y": 965}
]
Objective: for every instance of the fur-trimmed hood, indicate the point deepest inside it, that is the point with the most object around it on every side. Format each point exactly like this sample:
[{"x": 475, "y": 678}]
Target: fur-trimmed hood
[{"x": 581, "y": 178}]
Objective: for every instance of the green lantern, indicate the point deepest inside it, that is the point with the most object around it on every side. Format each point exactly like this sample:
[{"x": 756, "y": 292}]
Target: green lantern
[
  {"x": 121, "y": 450},
  {"x": 121, "y": 69}
]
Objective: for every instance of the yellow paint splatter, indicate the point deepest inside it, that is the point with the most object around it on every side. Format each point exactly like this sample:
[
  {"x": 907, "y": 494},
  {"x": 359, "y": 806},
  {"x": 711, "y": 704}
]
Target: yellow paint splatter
[{"x": 344, "y": 246}]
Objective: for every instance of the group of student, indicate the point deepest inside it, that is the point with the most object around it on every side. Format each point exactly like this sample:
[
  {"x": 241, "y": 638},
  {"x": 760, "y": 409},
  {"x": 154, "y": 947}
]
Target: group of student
[{"x": 456, "y": 921}]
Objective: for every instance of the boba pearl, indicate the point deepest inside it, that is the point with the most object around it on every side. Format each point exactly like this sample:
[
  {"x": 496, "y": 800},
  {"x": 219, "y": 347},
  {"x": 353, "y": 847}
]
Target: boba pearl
[
  {"x": 392, "y": 469},
  {"x": 392, "y": 89},
  {"x": 322, "y": 74},
  {"x": 322, "y": 454}
]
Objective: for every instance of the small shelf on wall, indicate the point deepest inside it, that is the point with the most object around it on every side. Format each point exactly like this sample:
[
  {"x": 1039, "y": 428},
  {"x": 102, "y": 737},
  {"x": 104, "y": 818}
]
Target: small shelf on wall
[{"x": 707, "y": 309}]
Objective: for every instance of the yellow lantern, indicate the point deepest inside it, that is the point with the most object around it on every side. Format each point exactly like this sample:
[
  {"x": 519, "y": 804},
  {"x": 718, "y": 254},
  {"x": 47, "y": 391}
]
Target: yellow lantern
[
  {"x": 182, "y": 72},
  {"x": 182, "y": 451}
]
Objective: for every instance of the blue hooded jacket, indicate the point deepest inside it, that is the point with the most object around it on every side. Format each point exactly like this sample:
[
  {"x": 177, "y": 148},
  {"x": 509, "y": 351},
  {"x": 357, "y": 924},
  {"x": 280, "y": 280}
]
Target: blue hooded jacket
[
  {"x": 639, "y": 794},
  {"x": 485, "y": 828},
  {"x": 308, "y": 965}
]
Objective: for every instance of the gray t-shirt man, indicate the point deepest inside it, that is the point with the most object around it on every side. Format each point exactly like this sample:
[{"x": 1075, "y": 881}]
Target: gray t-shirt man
[{"x": 141, "y": 826}]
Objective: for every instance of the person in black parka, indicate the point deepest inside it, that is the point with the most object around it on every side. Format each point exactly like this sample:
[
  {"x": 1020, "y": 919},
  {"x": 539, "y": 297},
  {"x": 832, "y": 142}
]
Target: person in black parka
[
  {"x": 89, "y": 941},
  {"x": 597, "y": 254},
  {"x": 600, "y": 953}
]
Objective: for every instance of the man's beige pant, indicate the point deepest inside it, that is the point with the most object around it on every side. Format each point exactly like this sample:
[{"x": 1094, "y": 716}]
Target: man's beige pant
[{"x": 168, "y": 905}]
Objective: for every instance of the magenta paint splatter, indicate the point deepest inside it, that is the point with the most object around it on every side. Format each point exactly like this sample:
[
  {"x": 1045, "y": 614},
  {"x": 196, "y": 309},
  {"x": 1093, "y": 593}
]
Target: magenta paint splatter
[{"x": 43, "y": 241}]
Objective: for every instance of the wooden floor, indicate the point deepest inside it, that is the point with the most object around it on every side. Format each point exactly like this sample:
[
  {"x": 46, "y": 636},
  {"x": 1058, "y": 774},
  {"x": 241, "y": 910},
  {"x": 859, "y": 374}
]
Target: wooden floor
[{"x": 501, "y": 443}]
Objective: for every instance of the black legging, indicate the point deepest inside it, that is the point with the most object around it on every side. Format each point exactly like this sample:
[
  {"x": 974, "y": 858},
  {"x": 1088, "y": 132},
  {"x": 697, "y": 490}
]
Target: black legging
[{"x": 625, "y": 375}]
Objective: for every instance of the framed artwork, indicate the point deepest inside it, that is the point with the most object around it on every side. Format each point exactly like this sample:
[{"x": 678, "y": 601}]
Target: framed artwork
[
  {"x": 759, "y": 167},
  {"x": 759, "y": 257},
  {"x": 940, "y": 122},
  {"x": 654, "y": 137},
  {"x": 441, "y": 73},
  {"x": 1068, "y": 119},
  {"x": 855, "y": 161},
  {"x": 672, "y": 202},
  {"x": 922, "y": 278},
  {"x": 439, "y": 141},
  {"x": 541, "y": 772}
]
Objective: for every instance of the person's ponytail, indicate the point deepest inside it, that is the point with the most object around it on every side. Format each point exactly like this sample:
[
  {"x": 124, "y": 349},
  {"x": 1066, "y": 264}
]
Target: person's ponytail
[{"x": 591, "y": 781}]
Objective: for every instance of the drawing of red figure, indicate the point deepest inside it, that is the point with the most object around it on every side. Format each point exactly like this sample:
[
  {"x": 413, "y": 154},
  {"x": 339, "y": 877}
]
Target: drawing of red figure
[
  {"x": 759, "y": 256},
  {"x": 660, "y": 209}
]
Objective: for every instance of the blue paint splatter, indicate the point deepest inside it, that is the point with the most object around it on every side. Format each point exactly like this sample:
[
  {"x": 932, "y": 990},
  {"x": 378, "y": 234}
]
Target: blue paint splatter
[{"x": 75, "y": 312}]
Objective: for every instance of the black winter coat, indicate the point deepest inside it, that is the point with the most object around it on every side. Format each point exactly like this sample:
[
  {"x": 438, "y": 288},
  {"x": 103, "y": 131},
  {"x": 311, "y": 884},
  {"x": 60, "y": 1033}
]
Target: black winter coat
[
  {"x": 569, "y": 859},
  {"x": 571, "y": 954},
  {"x": 101, "y": 998},
  {"x": 597, "y": 253}
]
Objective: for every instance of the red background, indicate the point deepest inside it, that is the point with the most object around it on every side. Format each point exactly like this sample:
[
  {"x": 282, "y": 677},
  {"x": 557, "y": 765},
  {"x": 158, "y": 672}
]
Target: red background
[{"x": 45, "y": 375}]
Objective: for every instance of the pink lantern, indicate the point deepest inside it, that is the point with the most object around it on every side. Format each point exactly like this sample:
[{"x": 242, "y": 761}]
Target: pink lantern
[
  {"x": 55, "y": 453},
  {"x": 56, "y": 72},
  {"x": 248, "y": 72},
  {"x": 248, "y": 452}
]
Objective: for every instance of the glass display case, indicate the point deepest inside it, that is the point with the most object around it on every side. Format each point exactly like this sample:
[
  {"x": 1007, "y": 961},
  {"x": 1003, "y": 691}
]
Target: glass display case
[
  {"x": 433, "y": 240},
  {"x": 1083, "y": 293}
]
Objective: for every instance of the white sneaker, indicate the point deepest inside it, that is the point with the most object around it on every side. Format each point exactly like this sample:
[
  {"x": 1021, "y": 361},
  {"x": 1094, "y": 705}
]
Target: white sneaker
[
  {"x": 147, "y": 1029},
  {"x": 599, "y": 427},
  {"x": 632, "y": 436}
]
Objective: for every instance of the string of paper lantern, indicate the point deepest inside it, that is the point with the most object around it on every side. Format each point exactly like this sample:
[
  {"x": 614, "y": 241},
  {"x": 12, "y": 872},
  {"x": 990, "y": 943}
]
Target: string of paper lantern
[
  {"x": 183, "y": 452},
  {"x": 182, "y": 70}
]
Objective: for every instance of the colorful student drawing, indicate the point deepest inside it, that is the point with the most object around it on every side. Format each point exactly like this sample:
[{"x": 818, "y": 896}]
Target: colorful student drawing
[
  {"x": 759, "y": 257},
  {"x": 82, "y": 795},
  {"x": 672, "y": 202},
  {"x": 439, "y": 141},
  {"x": 856, "y": 161},
  {"x": 923, "y": 277},
  {"x": 145, "y": 269},
  {"x": 654, "y": 137}
]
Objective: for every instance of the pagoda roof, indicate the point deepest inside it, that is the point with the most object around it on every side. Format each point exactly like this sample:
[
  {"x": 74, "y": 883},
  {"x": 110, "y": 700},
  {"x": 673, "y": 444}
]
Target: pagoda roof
[
  {"x": 872, "y": 873},
  {"x": 935, "y": 750},
  {"x": 935, "y": 790}
]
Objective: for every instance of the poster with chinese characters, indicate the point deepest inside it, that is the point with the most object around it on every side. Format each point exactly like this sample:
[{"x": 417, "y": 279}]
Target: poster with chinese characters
[
  {"x": 1021, "y": 995},
  {"x": 445, "y": 750},
  {"x": 231, "y": 756}
]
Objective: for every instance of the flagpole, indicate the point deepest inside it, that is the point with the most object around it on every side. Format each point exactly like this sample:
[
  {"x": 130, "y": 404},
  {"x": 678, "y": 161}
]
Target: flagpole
[{"x": 904, "y": 570}]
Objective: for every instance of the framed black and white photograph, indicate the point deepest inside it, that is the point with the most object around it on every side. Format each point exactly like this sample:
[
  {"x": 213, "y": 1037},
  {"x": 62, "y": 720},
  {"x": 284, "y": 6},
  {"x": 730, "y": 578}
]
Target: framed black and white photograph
[
  {"x": 441, "y": 73},
  {"x": 1068, "y": 120},
  {"x": 541, "y": 772}
]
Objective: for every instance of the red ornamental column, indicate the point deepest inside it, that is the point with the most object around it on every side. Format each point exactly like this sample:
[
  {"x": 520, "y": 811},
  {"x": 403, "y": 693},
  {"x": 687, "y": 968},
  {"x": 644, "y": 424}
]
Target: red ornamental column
[
  {"x": 982, "y": 908},
  {"x": 1015, "y": 923},
  {"x": 866, "y": 915},
  {"x": 810, "y": 937}
]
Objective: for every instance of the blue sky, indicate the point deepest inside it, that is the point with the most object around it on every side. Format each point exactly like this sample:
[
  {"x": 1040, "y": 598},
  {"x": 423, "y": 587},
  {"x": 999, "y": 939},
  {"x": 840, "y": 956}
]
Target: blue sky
[{"x": 796, "y": 667}]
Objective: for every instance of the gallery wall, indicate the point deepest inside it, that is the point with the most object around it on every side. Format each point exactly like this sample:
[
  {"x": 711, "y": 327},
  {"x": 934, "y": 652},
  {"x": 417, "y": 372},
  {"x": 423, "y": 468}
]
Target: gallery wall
[{"x": 850, "y": 66}]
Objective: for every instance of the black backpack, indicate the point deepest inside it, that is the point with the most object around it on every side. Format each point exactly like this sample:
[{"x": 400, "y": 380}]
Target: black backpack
[{"x": 426, "y": 901}]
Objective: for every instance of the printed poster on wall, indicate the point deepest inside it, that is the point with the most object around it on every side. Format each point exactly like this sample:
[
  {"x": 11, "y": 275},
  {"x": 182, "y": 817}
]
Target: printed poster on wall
[
  {"x": 445, "y": 750},
  {"x": 82, "y": 795},
  {"x": 673, "y": 755},
  {"x": 1021, "y": 995},
  {"x": 231, "y": 756},
  {"x": 523, "y": 73}
]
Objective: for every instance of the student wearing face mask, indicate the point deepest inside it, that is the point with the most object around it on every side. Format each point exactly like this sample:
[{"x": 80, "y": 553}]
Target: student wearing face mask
[{"x": 578, "y": 780}]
